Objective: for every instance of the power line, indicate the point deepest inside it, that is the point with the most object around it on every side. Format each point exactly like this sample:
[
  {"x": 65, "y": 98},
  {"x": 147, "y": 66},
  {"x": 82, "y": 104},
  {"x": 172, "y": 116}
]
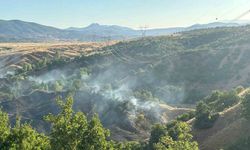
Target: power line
[
  {"x": 143, "y": 30},
  {"x": 242, "y": 15}
]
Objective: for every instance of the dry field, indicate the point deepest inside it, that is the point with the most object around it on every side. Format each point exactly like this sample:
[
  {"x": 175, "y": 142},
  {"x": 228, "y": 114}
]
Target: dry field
[{"x": 14, "y": 55}]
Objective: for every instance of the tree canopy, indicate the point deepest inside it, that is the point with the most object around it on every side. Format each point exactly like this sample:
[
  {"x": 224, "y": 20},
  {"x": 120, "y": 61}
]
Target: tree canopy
[{"x": 73, "y": 131}]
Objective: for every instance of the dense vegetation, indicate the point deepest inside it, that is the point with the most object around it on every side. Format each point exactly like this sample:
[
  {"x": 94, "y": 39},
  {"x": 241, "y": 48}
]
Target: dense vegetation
[
  {"x": 183, "y": 68},
  {"x": 204, "y": 117},
  {"x": 57, "y": 61},
  {"x": 72, "y": 130},
  {"x": 173, "y": 136},
  {"x": 207, "y": 110}
]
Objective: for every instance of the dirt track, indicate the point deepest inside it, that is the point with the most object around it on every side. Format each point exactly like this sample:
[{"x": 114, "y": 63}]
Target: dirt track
[{"x": 229, "y": 126}]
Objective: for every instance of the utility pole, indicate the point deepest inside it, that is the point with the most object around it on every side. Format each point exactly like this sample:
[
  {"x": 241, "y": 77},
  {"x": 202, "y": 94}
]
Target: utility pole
[{"x": 143, "y": 30}]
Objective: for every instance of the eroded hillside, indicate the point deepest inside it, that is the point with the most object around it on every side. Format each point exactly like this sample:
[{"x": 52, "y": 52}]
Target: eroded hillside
[
  {"x": 16, "y": 55},
  {"x": 129, "y": 84}
]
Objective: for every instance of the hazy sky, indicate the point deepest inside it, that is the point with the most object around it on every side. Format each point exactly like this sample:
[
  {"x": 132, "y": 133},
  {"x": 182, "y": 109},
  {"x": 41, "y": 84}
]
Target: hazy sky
[{"x": 131, "y": 13}]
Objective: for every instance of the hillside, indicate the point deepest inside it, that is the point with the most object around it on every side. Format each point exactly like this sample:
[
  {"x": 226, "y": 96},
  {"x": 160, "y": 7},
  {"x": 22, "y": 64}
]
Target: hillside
[
  {"x": 16, "y": 30},
  {"x": 197, "y": 61},
  {"x": 16, "y": 55},
  {"x": 227, "y": 130},
  {"x": 131, "y": 84}
]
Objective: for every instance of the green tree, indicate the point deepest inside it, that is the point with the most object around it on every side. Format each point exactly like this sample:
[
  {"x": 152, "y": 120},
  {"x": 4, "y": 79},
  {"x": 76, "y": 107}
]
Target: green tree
[
  {"x": 163, "y": 143},
  {"x": 183, "y": 145},
  {"x": 72, "y": 131},
  {"x": 95, "y": 137},
  {"x": 213, "y": 97},
  {"x": 186, "y": 116},
  {"x": 26, "y": 138},
  {"x": 203, "y": 116},
  {"x": 23, "y": 137},
  {"x": 157, "y": 132},
  {"x": 68, "y": 127},
  {"x": 178, "y": 137},
  {"x": 4, "y": 127},
  {"x": 219, "y": 101},
  {"x": 84, "y": 73},
  {"x": 58, "y": 86},
  {"x": 131, "y": 145},
  {"x": 226, "y": 100},
  {"x": 167, "y": 143},
  {"x": 179, "y": 131}
]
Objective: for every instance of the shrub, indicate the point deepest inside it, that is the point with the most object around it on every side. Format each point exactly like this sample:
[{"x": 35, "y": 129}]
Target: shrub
[{"x": 204, "y": 118}]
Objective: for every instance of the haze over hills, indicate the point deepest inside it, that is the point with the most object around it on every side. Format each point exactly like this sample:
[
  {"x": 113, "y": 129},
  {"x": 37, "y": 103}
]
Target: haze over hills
[
  {"x": 21, "y": 31},
  {"x": 133, "y": 84},
  {"x": 125, "y": 75}
]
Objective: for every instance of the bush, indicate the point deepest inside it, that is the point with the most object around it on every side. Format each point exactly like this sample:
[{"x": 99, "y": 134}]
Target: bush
[
  {"x": 176, "y": 137},
  {"x": 204, "y": 118},
  {"x": 220, "y": 101},
  {"x": 157, "y": 132},
  {"x": 186, "y": 116}
]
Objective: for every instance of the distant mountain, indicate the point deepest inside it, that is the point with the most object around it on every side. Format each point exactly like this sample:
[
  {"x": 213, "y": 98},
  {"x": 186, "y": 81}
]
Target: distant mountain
[
  {"x": 164, "y": 31},
  {"x": 20, "y": 31},
  {"x": 16, "y": 30},
  {"x": 108, "y": 31},
  {"x": 113, "y": 30},
  {"x": 212, "y": 25}
]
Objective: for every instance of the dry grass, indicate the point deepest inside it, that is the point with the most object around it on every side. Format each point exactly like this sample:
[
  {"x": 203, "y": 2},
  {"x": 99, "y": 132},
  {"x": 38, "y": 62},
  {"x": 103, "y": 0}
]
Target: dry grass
[
  {"x": 229, "y": 127},
  {"x": 17, "y": 54},
  {"x": 171, "y": 113}
]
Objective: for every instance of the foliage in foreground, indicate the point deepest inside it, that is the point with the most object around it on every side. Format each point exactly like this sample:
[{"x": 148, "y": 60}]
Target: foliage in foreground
[
  {"x": 72, "y": 131},
  {"x": 174, "y": 136},
  {"x": 20, "y": 137}
]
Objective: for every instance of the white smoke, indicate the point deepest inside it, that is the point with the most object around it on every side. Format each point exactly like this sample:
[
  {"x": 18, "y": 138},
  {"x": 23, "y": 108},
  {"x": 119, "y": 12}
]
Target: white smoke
[{"x": 50, "y": 76}]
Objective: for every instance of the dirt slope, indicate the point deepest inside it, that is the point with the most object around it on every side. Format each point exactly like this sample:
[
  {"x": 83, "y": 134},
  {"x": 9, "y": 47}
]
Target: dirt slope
[{"x": 229, "y": 127}]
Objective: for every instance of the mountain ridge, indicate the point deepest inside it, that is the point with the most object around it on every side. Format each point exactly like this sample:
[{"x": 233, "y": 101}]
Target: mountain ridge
[{"x": 22, "y": 31}]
